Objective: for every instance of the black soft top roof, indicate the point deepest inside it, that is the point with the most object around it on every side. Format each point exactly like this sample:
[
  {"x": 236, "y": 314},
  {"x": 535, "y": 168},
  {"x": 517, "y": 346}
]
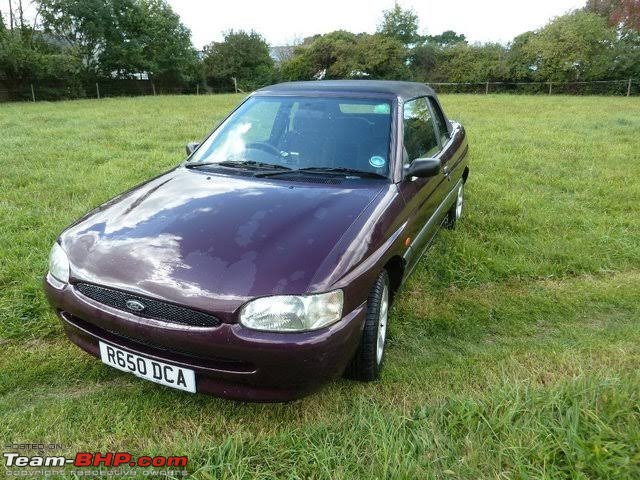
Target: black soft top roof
[{"x": 404, "y": 90}]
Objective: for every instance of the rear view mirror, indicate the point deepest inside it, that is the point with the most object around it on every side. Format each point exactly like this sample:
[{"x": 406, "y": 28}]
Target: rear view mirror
[
  {"x": 191, "y": 147},
  {"x": 423, "y": 167}
]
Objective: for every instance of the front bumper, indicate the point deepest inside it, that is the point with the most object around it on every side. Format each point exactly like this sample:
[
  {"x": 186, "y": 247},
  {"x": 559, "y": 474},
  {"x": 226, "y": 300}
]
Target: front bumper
[{"x": 229, "y": 360}]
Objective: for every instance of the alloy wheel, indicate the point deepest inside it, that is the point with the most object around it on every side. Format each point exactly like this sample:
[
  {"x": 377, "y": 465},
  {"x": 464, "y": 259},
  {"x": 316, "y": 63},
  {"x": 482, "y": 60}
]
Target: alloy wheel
[
  {"x": 459, "y": 202},
  {"x": 382, "y": 323}
]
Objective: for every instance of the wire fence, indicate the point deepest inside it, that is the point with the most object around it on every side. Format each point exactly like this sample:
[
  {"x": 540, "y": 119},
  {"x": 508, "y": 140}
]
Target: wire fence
[
  {"x": 627, "y": 87},
  {"x": 74, "y": 89},
  {"x": 69, "y": 89}
]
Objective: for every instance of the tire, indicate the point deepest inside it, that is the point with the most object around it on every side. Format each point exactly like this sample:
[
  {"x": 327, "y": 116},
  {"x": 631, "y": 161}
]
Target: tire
[
  {"x": 367, "y": 362},
  {"x": 455, "y": 212}
]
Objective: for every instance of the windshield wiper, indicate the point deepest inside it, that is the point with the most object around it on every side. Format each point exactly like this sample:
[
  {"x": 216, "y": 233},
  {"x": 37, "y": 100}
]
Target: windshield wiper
[
  {"x": 238, "y": 164},
  {"x": 275, "y": 169},
  {"x": 341, "y": 171},
  {"x": 252, "y": 163},
  {"x": 325, "y": 171},
  {"x": 198, "y": 164}
]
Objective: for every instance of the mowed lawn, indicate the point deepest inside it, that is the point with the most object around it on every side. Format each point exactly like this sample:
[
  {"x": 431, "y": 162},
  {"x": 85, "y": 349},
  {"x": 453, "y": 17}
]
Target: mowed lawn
[{"x": 514, "y": 350}]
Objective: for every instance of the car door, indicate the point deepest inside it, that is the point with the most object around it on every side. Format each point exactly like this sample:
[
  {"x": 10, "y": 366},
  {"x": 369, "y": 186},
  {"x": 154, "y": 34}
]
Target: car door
[
  {"x": 423, "y": 196},
  {"x": 452, "y": 143}
]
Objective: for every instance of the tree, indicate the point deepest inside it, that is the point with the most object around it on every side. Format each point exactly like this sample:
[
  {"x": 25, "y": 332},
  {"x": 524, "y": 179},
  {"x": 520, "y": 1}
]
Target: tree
[
  {"x": 627, "y": 55},
  {"x": 619, "y": 13},
  {"x": 446, "y": 39},
  {"x": 26, "y": 57},
  {"x": 473, "y": 63},
  {"x": 522, "y": 58},
  {"x": 333, "y": 54},
  {"x": 244, "y": 56},
  {"x": 343, "y": 54},
  {"x": 83, "y": 24},
  {"x": 283, "y": 52},
  {"x": 400, "y": 24},
  {"x": 298, "y": 67},
  {"x": 380, "y": 57},
  {"x": 330, "y": 56},
  {"x": 425, "y": 57},
  {"x": 167, "y": 52},
  {"x": 122, "y": 42},
  {"x": 424, "y": 60},
  {"x": 123, "y": 37},
  {"x": 624, "y": 16},
  {"x": 577, "y": 46}
]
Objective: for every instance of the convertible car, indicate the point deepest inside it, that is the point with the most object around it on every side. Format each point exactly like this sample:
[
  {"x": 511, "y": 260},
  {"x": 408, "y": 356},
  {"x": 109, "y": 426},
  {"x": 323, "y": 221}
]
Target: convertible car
[{"x": 265, "y": 264}]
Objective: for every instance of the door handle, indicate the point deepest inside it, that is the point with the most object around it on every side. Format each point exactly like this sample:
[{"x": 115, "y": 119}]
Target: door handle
[{"x": 446, "y": 171}]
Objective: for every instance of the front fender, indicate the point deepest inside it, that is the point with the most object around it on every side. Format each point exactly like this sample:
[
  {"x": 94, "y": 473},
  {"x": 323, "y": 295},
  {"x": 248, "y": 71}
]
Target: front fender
[{"x": 357, "y": 259}]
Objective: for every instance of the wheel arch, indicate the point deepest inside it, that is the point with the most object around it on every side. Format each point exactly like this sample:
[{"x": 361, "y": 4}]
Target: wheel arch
[{"x": 395, "y": 268}]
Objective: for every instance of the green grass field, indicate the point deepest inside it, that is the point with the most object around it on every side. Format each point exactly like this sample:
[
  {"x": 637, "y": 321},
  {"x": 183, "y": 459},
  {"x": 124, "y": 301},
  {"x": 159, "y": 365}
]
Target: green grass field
[{"x": 514, "y": 350}]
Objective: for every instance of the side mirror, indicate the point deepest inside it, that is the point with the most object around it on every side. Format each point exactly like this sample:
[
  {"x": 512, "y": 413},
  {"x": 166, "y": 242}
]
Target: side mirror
[
  {"x": 423, "y": 167},
  {"x": 191, "y": 147}
]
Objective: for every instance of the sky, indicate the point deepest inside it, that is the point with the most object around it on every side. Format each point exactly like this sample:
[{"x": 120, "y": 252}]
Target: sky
[{"x": 283, "y": 22}]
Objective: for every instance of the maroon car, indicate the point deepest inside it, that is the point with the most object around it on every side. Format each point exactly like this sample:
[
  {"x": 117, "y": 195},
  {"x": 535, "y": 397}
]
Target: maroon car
[{"x": 265, "y": 264}]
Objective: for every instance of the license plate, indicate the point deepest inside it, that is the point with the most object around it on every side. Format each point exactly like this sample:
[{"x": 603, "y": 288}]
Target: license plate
[{"x": 159, "y": 372}]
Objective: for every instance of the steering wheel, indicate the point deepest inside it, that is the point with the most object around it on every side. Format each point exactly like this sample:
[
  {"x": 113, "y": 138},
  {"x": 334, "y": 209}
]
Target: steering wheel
[{"x": 265, "y": 147}]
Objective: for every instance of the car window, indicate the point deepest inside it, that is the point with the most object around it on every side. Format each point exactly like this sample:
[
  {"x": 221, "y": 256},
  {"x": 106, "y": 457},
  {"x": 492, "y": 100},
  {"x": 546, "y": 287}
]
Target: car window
[
  {"x": 305, "y": 132},
  {"x": 440, "y": 121},
  {"x": 262, "y": 119},
  {"x": 366, "y": 108},
  {"x": 239, "y": 132},
  {"x": 420, "y": 140}
]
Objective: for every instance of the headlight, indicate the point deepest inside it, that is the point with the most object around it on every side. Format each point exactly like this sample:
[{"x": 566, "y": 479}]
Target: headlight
[
  {"x": 59, "y": 264},
  {"x": 292, "y": 313}
]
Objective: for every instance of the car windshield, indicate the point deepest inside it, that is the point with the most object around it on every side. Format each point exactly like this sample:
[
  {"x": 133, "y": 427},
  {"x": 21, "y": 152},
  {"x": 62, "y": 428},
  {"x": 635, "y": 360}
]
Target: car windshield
[{"x": 316, "y": 134}]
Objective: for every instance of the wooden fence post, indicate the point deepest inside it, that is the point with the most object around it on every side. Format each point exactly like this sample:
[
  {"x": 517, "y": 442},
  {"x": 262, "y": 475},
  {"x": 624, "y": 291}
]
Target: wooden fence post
[
  {"x": 153, "y": 87},
  {"x": 235, "y": 84},
  {"x": 550, "y": 83},
  {"x": 197, "y": 89},
  {"x": 98, "y": 90},
  {"x": 33, "y": 93},
  {"x": 629, "y": 88},
  {"x": 486, "y": 89}
]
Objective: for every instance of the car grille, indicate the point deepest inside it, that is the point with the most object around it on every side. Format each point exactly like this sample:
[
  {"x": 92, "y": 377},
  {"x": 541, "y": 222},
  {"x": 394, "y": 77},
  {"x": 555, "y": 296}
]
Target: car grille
[{"x": 155, "y": 309}]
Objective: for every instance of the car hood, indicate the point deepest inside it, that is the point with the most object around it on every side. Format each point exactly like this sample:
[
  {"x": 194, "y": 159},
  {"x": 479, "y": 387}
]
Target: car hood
[{"x": 207, "y": 240}]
